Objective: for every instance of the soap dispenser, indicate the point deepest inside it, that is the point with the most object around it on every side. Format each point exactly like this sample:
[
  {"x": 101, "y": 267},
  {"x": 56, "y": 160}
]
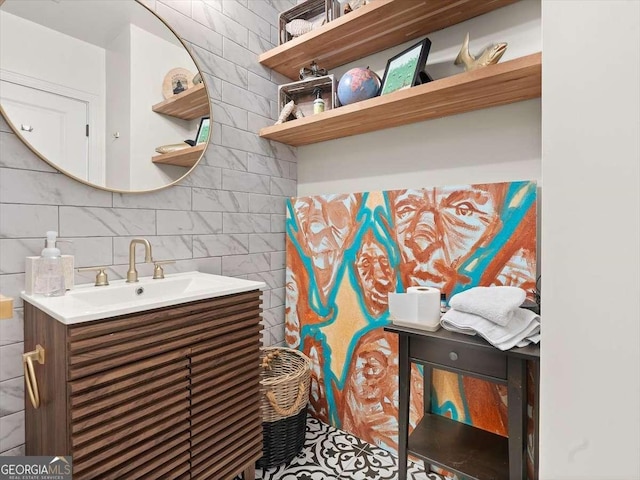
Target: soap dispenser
[{"x": 50, "y": 273}]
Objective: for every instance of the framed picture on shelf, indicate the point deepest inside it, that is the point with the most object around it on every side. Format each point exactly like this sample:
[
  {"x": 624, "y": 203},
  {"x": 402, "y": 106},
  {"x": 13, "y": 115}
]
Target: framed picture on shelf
[
  {"x": 403, "y": 70},
  {"x": 203, "y": 131}
]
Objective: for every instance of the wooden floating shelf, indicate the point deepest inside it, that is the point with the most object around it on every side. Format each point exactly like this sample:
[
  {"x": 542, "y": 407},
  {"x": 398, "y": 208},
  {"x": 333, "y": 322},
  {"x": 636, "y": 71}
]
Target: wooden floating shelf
[
  {"x": 187, "y": 157},
  {"x": 372, "y": 28},
  {"x": 476, "y": 453},
  {"x": 508, "y": 82},
  {"x": 188, "y": 105}
]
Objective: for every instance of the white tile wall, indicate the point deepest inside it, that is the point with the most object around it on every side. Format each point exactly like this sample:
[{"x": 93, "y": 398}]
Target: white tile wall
[{"x": 226, "y": 218}]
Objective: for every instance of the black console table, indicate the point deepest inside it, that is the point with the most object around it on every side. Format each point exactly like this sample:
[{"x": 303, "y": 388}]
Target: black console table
[{"x": 455, "y": 446}]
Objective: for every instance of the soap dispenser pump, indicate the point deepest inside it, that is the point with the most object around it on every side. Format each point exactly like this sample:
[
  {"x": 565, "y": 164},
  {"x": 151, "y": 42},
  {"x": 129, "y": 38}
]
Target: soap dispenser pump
[{"x": 50, "y": 277}]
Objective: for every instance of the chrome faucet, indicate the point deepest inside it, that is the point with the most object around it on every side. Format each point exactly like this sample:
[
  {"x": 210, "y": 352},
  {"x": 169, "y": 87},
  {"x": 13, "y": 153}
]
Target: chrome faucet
[{"x": 132, "y": 273}]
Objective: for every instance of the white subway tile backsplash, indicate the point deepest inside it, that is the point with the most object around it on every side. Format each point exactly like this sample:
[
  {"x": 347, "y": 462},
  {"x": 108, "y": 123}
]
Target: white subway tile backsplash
[
  {"x": 24, "y": 221},
  {"x": 244, "y": 58},
  {"x": 272, "y": 316},
  {"x": 12, "y": 394},
  {"x": 182, "y": 6},
  {"x": 277, "y": 260},
  {"x": 283, "y": 151},
  {"x": 241, "y": 140},
  {"x": 228, "y": 114},
  {"x": 205, "y": 199},
  {"x": 13, "y": 251},
  {"x": 283, "y": 186},
  {"x": 266, "y": 242},
  {"x": 89, "y": 251},
  {"x": 265, "y": 10},
  {"x": 217, "y": 4},
  {"x": 257, "y": 122},
  {"x": 274, "y": 34},
  {"x": 278, "y": 223},
  {"x": 263, "y": 86},
  {"x": 219, "y": 67},
  {"x": 11, "y": 362},
  {"x": 266, "y": 204},
  {"x": 278, "y": 298},
  {"x": 214, "y": 86},
  {"x": 246, "y": 223},
  {"x": 218, "y": 156},
  {"x": 273, "y": 278},
  {"x": 11, "y": 431},
  {"x": 244, "y": 182},
  {"x": 245, "y": 99},
  {"x": 190, "y": 30},
  {"x": 188, "y": 223},
  {"x": 218, "y": 245},
  {"x": 233, "y": 265},
  {"x": 12, "y": 329},
  {"x": 282, "y": 5},
  {"x": 169, "y": 247},
  {"x": 101, "y": 222},
  {"x": 293, "y": 171},
  {"x": 211, "y": 265},
  {"x": 258, "y": 44},
  {"x": 203, "y": 176},
  {"x": 267, "y": 165},
  {"x": 14, "y": 154},
  {"x": 175, "y": 198},
  {"x": 214, "y": 19},
  {"x": 28, "y": 186},
  {"x": 247, "y": 18}
]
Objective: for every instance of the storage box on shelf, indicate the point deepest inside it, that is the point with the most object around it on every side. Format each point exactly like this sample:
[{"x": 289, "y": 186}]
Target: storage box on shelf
[
  {"x": 302, "y": 93},
  {"x": 310, "y": 10}
]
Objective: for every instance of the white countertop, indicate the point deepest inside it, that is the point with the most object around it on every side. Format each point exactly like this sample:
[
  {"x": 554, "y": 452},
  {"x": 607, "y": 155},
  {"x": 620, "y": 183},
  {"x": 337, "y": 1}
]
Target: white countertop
[{"x": 87, "y": 302}]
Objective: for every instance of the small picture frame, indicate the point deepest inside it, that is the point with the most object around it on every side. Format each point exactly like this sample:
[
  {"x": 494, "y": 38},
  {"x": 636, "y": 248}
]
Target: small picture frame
[
  {"x": 403, "y": 70},
  {"x": 203, "y": 130}
]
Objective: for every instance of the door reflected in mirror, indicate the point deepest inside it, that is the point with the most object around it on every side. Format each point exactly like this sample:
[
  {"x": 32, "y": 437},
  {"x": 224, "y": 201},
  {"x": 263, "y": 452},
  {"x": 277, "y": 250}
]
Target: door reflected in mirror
[{"x": 103, "y": 90}]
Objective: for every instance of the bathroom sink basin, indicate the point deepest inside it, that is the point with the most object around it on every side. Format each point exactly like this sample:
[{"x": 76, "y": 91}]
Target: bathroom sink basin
[{"x": 87, "y": 302}]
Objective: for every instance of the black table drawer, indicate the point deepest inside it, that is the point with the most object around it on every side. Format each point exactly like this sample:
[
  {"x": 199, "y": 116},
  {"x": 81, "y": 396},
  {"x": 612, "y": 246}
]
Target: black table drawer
[{"x": 459, "y": 357}]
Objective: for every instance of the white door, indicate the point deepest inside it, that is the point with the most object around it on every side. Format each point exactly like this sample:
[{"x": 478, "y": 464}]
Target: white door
[{"x": 55, "y": 125}]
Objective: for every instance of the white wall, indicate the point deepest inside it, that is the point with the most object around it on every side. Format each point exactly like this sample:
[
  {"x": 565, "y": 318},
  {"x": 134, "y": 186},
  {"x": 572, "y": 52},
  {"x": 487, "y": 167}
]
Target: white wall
[
  {"x": 151, "y": 58},
  {"x": 118, "y": 117},
  {"x": 34, "y": 51},
  {"x": 50, "y": 55},
  {"x": 492, "y": 145},
  {"x": 590, "y": 391}
]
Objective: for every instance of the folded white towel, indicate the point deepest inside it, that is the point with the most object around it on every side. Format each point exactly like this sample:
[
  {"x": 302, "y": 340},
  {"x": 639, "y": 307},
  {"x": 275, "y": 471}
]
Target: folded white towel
[
  {"x": 493, "y": 303},
  {"x": 524, "y": 324}
]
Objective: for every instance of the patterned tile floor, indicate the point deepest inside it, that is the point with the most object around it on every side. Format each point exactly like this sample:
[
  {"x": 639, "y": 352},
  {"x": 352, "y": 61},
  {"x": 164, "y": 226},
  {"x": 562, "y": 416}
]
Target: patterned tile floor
[{"x": 331, "y": 454}]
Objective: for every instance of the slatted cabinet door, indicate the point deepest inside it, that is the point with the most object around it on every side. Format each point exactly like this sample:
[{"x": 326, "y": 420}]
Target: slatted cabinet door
[
  {"x": 129, "y": 397},
  {"x": 169, "y": 393},
  {"x": 225, "y": 396}
]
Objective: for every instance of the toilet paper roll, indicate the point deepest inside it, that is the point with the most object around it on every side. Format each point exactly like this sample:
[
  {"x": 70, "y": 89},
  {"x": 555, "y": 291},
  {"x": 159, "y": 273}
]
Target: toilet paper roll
[{"x": 419, "y": 306}]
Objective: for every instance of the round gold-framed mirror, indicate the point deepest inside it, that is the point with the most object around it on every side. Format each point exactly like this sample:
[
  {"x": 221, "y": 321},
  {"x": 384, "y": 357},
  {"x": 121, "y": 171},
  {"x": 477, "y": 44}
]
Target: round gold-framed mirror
[{"x": 104, "y": 91}]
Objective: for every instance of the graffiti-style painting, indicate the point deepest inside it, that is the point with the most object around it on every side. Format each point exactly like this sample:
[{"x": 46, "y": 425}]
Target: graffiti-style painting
[{"x": 345, "y": 253}]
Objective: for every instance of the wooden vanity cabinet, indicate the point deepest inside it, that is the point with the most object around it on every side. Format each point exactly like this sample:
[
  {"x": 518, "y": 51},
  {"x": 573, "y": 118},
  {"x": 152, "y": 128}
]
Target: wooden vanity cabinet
[{"x": 166, "y": 393}]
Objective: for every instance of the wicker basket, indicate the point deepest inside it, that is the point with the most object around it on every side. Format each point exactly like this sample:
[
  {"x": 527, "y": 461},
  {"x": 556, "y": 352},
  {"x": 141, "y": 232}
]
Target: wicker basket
[{"x": 285, "y": 378}]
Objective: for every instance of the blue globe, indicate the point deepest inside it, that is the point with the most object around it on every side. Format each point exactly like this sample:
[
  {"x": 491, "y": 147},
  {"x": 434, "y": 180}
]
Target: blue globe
[{"x": 358, "y": 84}]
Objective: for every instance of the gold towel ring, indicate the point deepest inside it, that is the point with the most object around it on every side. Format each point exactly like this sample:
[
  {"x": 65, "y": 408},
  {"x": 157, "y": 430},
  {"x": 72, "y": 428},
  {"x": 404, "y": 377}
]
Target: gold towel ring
[{"x": 30, "y": 374}]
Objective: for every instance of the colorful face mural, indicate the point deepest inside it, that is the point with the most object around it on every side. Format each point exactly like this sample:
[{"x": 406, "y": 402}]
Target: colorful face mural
[{"x": 345, "y": 253}]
